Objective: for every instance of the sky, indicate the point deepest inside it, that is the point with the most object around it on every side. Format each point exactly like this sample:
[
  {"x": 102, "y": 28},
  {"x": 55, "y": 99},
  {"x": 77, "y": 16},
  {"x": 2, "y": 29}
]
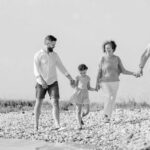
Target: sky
[{"x": 81, "y": 27}]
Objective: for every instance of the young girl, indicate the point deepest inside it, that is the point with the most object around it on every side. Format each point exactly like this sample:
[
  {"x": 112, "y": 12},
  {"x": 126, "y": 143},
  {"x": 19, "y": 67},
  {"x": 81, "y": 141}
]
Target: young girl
[{"x": 81, "y": 95}]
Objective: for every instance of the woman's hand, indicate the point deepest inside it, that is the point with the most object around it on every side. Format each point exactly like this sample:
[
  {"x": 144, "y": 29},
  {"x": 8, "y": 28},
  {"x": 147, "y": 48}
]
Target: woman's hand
[{"x": 137, "y": 75}]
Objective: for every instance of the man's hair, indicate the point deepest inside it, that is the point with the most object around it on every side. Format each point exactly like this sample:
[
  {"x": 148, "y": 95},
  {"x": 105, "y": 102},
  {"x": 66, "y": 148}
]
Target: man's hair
[
  {"x": 82, "y": 67},
  {"x": 112, "y": 43},
  {"x": 50, "y": 38}
]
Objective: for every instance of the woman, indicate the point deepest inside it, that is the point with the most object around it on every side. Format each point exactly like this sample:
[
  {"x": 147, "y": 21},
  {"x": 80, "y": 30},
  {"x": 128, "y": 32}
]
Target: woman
[{"x": 108, "y": 76}]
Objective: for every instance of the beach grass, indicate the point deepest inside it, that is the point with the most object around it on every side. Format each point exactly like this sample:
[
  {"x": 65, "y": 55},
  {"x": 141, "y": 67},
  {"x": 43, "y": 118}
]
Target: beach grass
[{"x": 7, "y": 106}]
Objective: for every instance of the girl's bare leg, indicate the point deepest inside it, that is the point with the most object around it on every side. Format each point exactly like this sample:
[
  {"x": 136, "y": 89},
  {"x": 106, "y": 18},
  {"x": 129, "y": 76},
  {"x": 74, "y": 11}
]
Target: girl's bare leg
[
  {"x": 87, "y": 106},
  {"x": 78, "y": 113}
]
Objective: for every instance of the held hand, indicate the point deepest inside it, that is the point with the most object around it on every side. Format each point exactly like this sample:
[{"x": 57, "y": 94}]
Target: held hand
[
  {"x": 72, "y": 83},
  {"x": 137, "y": 75},
  {"x": 69, "y": 77},
  {"x": 97, "y": 87},
  {"x": 140, "y": 71}
]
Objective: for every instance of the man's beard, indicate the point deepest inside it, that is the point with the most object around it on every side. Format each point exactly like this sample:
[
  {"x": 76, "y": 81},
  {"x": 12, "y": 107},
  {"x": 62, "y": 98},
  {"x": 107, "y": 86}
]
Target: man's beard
[{"x": 50, "y": 49}]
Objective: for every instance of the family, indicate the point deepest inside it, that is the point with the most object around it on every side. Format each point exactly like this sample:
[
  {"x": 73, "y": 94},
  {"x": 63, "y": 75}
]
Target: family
[{"x": 110, "y": 67}]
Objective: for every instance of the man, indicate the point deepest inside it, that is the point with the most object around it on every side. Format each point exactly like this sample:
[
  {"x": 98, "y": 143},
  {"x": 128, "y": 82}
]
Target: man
[
  {"x": 144, "y": 59},
  {"x": 45, "y": 63}
]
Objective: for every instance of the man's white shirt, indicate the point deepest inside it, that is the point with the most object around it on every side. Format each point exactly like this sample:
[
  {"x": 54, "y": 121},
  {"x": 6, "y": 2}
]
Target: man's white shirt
[{"x": 45, "y": 65}]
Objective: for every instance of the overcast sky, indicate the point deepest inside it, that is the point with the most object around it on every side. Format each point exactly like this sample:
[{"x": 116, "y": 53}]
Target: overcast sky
[{"x": 81, "y": 27}]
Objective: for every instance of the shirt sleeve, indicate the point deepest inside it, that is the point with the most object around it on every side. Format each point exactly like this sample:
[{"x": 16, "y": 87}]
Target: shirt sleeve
[
  {"x": 36, "y": 66},
  {"x": 145, "y": 57},
  {"x": 61, "y": 66}
]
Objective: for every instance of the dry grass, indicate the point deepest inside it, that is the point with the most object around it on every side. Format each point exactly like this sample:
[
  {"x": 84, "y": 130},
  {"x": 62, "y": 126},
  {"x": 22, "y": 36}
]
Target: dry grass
[{"x": 7, "y": 106}]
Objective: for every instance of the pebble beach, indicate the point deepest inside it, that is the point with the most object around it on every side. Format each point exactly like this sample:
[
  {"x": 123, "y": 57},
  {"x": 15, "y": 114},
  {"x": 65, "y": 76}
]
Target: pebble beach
[{"x": 129, "y": 129}]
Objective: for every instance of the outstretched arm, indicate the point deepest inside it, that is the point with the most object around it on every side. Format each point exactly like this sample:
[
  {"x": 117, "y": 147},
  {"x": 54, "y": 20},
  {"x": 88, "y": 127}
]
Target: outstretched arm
[
  {"x": 123, "y": 70},
  {"x": 98, "y": 79},
  {"x": 62, "y": 68}
]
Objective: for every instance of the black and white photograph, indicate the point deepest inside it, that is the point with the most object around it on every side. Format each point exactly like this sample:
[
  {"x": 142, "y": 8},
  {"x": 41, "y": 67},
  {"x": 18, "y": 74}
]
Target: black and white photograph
[{"x": 74, "y": 75}]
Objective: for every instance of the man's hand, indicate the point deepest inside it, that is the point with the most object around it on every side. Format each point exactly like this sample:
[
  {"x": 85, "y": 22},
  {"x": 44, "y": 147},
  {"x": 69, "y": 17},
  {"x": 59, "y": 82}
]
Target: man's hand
[
  {"x": 44, "y": 84},
  {"x": 69, "y": 77},
  {"x": 72, "y": 81}
]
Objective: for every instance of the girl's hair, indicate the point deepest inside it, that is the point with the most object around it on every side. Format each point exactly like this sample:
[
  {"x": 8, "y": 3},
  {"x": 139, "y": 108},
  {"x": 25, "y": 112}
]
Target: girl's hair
[
  {"x": 82, "y": 67},
  {"x": 112, "y": 43}
]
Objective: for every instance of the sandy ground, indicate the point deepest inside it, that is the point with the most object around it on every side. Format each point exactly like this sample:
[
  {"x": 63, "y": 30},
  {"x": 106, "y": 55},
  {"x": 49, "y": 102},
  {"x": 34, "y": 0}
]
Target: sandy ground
[
  {"x": 128, "y": 129},
  {"x": 19, "y": 144}
]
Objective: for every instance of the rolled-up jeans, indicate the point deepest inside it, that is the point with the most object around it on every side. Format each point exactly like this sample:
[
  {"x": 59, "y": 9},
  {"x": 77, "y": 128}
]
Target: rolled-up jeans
[{"x": 110, "y": 90}]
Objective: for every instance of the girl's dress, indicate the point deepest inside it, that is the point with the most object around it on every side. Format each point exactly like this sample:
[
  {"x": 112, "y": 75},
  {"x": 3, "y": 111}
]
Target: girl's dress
[{"x": 81, "y": 95}]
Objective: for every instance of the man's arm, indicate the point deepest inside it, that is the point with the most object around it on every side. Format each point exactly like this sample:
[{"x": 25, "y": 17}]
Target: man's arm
[{"x": 62, "y": 68}]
